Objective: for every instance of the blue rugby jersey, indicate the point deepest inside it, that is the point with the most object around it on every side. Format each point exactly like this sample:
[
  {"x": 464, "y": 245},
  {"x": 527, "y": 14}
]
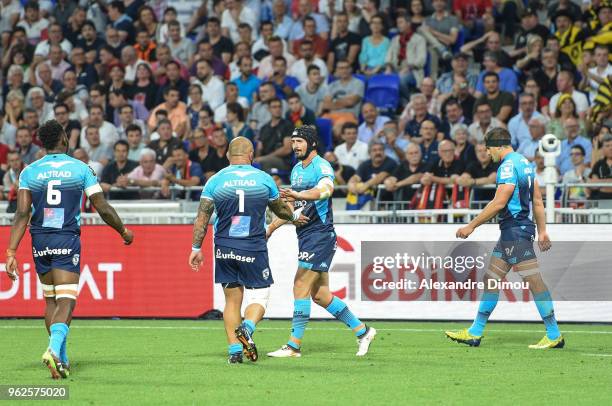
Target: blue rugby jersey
[{"x": 516, "y": 170}]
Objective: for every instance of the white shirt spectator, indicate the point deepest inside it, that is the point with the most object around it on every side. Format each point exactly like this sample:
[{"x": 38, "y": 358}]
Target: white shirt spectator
[
  {"x": 579, "y": 98},
  {"x": 476, "y": 132},
  {"x": 108, "y": 135},
  {"x": 42, "y": 49},
  {"x": 593, "y": 84},
  {"x": 34, "y": 31},
  {"x": 353, "y": 157},
  {"x": 8, "y": 11},
  {"x": 130, "y": 71},
  {"x": 213, "y": 92},
  {"x": 300, "y": 70},
  {"x": 246, "y": 16},
  {"x": 266, "y": 69},
  {"x": 365, "y": 133},
  {"x": 221, "y": 111}
]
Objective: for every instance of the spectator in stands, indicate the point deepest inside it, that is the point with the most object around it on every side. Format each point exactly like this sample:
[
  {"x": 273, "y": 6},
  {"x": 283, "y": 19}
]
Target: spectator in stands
[
  {"x": 206, "y": 52},
  {"x": 164, "y": 56},
  {"x": 260, "y": 113},
  {"x": 134, "y": 135},
  {"x": 14, "y": 107},
  {"x": 484, "y": 121},
  {"x": 595, "y": 76},
  {"x": 419, "y": 106},
  {"x": 212, "y": 88},
  {"x": 107, "y": 131},
  {"x": 222, "y": 45},
  {"x": 530, "y": 64},
  {"x": 374, "y": 48},
  {"x": 54, "y": 37},
  {"x": 281, "y": 21},
  {"x": 406, "y": 56},
  {"x": 247, "y": 82},
  {"x": 448, "y": 169},
  {"x": 144, "y": 89},
  {"x": 602, "y": 171},
  {"x": 440, "y": 30},
  {"x": 71, "y": 86},
  {"x": 145, "y": 46},
  {"x": 518, "y": 125},
  {"x": 118, "y": 99},
  {"x": 121, "y": 21},
  {"x": 115, "y": 172},
  {"x": 454, "y": 117},
  {"x": 304, "y": 11},
  {"x": 235, "y": 125},
  {"x": 27, "y": 150},
  {"x": 312, "y": 93},
  {"x": 546, "y": 75},
  {"x": 221, "y": 144},
  {"x": 181, "y": 171},
  {"x": 7, "y": 131},
  {"x": 501, "y": 102},
  {"x": 481, "y": 171},
  {"x": 446, "y": 81},
  {"x": 464, "y": 150},
  {"x": 506, "y": 77},
  {"x": 148, "y": 174},
  {"x": 231, "y": 96},
  {"x": 372, "y": 122},
  {"x": 352, "y": 152},
  {"x": 260, "y": 48},
  {"x": 35, "y": 99},
  {"x": 235, "y": 13},
  {"x": 245, "y": 33},
  {"x": 407, "y": 174},
  {"x": 277, "y": 48},
  {"x": 298, "y": 114},
  {"x": 345, "y": 44},
  {"x": 274, "y": 146},
  {"x": 130, "y": 61},
  {"x": 343, "y": 99},
  {"x": 491, "y": 42},
  {"x": 173, "y": 80},
  {"x": 56, "y": 62},
  {"x": 96, "y": 150},
  {"x": 72, "y": 128},
  {"x": 205, "y": 154},
  {"x": 82, "y": 156},
  {"x": 372, "y": 172},
  {"x": 567, "y": 33},
  {"x": 579, "y": 173},
  {"x": 166, "y": 143},
  {"x": 319, "y": 43},
  {"x": 428, "y": 142},
  {"x": 395, "y": 146},
  {"x": 176, "y": 110},
  {"x": 196, "y": 105},
  {"x": 530, "y": 26},
  {"x": 572, "y": 130},
  {"x": 598, "y": 138},
  {"x": 33, "y": 23},
  {"x": 565, "y": 85},
  {"x": 126, "y": 119},
  {"x": 461, "y": 93},
  {"x": 10, "y": 180},
  {"x": 283, "y": 83},
  {"x": 300, "y": 68},
  {"x": 537, "y": 129},
  {"x": 342, "y": 173}
]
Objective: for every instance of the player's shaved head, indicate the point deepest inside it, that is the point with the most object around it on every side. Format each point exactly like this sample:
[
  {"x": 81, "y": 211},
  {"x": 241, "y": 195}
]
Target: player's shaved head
[{"x": 240, "y": 151}]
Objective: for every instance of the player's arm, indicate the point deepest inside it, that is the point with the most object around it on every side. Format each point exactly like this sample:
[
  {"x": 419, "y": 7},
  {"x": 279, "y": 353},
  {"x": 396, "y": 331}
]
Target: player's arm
[
  {"x": 502, "y": 196},
  {"x": 110, "y": 216},
  {"x": 200, "y": 227},
  {"x": 20, "y": 223},
  {"x": 322, "y": 191},
  {"x": 540, "y": 217}
]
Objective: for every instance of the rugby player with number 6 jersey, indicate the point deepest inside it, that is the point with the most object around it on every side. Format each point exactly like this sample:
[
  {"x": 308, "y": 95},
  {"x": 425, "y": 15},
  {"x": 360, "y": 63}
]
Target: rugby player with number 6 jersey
[
  {"x": 518, "y": 201},
  {"x": 51, "y": 190},
  {"x": 312, "y": 185},
  {"x": 240, "y": 194}
]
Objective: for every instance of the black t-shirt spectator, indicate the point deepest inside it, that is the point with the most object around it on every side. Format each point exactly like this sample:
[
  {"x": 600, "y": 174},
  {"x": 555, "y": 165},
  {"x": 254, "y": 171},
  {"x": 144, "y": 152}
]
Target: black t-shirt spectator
[
  {"x": 111, "y": 172},
  {"x": 224, "y": 45},
  {"x": 146, "y": 95},
  {"x": 501, "y": 100},
  {"x": 164, "y": 153},
  {"x": 402, "y": 172},
  {"x": 94, "y": 46},
  {"x": 212, "y": 162},
  {"x": 467, "y": 106},
  {"x": 440, "y": 170},
  {"x": 271, "y": 137},
  {"x": 603, "y": 171},
  {"x": 539, "y": 30},
  {"x": 366, "y": 170},
  {"x": 476, "y": 171},
  {"x": 468, "y": 154},
  {"x": 347, "y": 172},
  {"x": 413, "y": 127},
  {"x": 340, "y": 47},
  {"x": 430, "y": 154},
  {"x": 503, "y": 59}
]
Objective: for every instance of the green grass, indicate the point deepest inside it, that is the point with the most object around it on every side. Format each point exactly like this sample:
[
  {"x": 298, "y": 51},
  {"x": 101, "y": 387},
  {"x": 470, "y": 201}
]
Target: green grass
[{"x": 184, "y": 362}]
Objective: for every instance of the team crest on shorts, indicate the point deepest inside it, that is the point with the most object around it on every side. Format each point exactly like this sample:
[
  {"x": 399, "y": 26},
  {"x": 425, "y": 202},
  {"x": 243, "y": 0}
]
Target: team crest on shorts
[
  {"x": 265, "y": 273},
  {"x": 75, "y": 259}
]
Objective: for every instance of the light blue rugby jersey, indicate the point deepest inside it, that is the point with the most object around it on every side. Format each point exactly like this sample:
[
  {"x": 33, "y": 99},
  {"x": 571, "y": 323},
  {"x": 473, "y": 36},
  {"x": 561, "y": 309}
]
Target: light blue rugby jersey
[
  {"x": 319, "y": 212},
  {"x": 516, "y": 170},
  {"x": 57, "y": 183},
  {"x": 241, "y": 194}
]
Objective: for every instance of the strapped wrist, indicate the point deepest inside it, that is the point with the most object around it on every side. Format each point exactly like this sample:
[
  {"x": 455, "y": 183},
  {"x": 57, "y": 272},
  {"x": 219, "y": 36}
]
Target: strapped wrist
[{"x": 10, "y": 252}]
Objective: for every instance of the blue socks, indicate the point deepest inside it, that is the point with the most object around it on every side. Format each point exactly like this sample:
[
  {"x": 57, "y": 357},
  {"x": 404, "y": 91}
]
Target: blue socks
[
  {"x": 301, "y": 314},
  {"x": 340, "y": 311},
  {"x": 249, "y": 325},
  {"x": 59, "y": 331},
  {"x": 63, "y": 355},
  {"x": 487, "y": 304},
  {"x": 235, "y": 348},
  {"x": 544, "y": 304}
]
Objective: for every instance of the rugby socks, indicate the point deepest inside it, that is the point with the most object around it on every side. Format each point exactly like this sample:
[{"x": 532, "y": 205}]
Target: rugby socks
[
  {"x": 59, "y": 331},
  {"x": 235, "y": 348},
  {"x": 63, "y": 355},
  {"x": 249, "y": 325},
  {"x": 340, "y": 311},
  {"x": 487, "y": 304},
  {"x": 544, "y": 304},
  {"x": 301, "y": 314}
]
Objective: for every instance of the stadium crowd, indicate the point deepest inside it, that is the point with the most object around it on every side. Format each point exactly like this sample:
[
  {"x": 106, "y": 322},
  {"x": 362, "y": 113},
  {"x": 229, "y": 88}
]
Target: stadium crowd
[{"x": 402, "y": 91}]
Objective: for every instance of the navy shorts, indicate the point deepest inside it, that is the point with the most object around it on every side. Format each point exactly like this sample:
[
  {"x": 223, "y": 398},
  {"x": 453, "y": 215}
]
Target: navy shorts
[
  {"x": 247, "y": 268},
  {"x": 316, "y": 251},
  {"x": 56, "y": 251},
  {"x": 516, "y": 244}
]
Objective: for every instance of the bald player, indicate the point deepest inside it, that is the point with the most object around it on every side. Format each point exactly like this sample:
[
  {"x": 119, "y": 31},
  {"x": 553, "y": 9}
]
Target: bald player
[{"x": 240, "y": 194}]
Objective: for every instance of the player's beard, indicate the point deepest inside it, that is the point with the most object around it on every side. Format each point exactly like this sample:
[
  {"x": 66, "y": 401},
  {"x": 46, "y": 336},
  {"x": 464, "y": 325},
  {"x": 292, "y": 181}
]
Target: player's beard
[{"x": 300, "y": 155}]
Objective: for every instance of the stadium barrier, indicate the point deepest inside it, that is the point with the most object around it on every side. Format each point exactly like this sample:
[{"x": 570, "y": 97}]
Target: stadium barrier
[{"x": 151, "y": 278}]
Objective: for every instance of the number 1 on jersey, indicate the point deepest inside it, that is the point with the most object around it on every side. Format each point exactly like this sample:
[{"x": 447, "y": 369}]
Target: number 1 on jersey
[{"x": 240, "y": 194}]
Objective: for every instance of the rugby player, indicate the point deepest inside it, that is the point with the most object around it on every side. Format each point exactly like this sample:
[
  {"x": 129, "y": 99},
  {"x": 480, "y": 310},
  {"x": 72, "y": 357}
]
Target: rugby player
[
  {"x": 312, "y": 185},
  {"x": 240, "y": 194},
  {"x": 53, "y": 187},
  {"x": 518, "y": 201}
]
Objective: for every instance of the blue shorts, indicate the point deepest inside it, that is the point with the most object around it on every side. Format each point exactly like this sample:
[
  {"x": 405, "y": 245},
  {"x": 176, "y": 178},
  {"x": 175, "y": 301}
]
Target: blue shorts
[
  {"x": 56, "y": 251},
  {"x": 316, "y": 251},
  {"x": 515, "y": 244},
  {"x": 247, "y": 268}
]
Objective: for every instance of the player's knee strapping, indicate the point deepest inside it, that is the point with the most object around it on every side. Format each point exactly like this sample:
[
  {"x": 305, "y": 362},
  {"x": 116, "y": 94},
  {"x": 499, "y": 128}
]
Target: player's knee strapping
[
  {"x": 496, "y": 272},
  {"x": 257, "y": 296},
  {"x": 69, "y": 291},
  {"x": 48, "y": 291}
]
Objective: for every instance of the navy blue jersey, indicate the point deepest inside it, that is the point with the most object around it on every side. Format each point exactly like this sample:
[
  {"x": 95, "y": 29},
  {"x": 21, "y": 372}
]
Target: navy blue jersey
[
  {"x": 319, "y": 212},
  {"x": 516, "y": 170},
  {"x": 241, "y": 194},
  {"x": 57, "y": 183}
]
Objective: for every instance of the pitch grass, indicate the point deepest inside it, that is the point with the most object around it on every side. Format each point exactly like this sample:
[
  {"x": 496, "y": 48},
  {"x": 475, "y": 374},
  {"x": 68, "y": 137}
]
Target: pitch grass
[{"x": 123, "y": 362}]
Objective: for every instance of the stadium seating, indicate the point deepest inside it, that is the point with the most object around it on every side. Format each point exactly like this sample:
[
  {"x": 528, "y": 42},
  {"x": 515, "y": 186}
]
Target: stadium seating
[
  {"x": 324, "y": 127},
  {"x": 383, "y": 91}
]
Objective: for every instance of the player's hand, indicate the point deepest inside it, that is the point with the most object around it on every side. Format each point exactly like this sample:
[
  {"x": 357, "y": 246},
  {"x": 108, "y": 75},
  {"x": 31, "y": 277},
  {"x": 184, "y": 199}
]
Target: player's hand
[
  {"x": 464, "y": 232},
  {"x": 289, "y": 194},
  {"x": 195, "y": 260},
  {"x": 12, "y": 269},
  {"x": 544, "y": 241},
  {"x": 128, "y": 236},
  {"x": 302, "y": 220}
]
